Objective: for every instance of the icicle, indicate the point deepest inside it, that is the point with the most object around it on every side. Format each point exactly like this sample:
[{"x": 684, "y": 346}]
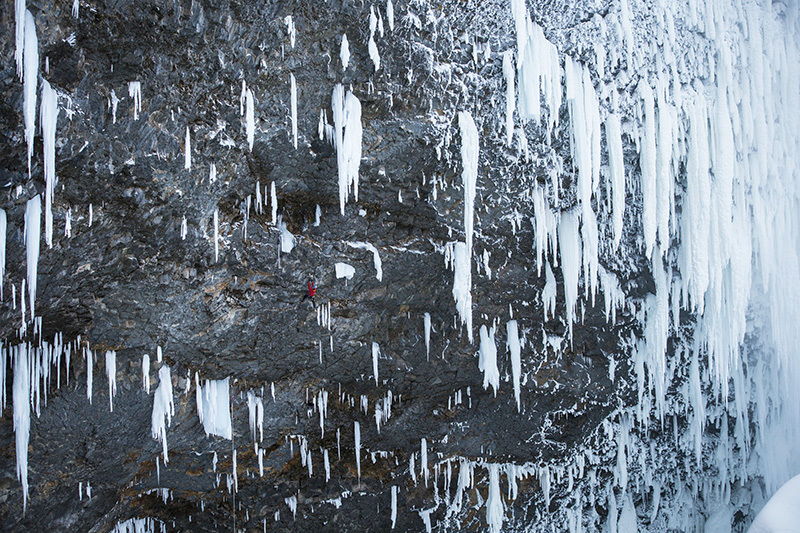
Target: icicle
[
  {"x": 294, "y": 109},
  {"x": 187, "y": 154},
  {"x": 494, "y": 501},
  {"x": 135, "y": 92},
  {"x": 146, "y": 373},
  {"x": 427, "y": 325},
  {"x": 376, "y": 352},
  {"x": 570, "y": 262},
  {"x": 511, "y": 99},
  {"x": 357, "y": 436},
  {"x": 647, "y": 161},
  {"x": 3, "y": 232},
  {"x": 347, "y": 139},
  {"x": 111, "y": 372},
  {"x": 214, "y": 408},
  {"x": 163, "y": 406},
  {"x": 514, "y": 349},
  {"x": 48, "y": 115},
  {"x": 487, "y": 360},
  {"x": 344, "y": 52},
  {"x": 30, "y": 80},
  {"x": 394, "y": 503},
  {"x": 33, "y": 219},
  {"x": 216, "y": 235},
  {"x": 22, "y": 415},
  {"x": 616, "y": 165},
  {"x": 250, "y": 120}
]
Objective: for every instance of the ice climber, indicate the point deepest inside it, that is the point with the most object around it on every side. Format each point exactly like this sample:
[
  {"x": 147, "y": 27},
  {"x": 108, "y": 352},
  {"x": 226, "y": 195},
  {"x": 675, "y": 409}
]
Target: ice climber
[{"x": 312, "y": 290}]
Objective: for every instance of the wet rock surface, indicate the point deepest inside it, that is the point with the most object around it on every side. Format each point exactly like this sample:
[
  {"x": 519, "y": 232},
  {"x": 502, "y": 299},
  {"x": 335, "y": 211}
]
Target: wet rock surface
[{"x": 129, "y": 282}]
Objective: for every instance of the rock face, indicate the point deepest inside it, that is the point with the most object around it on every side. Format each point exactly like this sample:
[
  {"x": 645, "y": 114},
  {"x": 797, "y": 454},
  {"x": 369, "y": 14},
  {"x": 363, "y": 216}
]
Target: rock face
[{"x": 206, "y": 262}]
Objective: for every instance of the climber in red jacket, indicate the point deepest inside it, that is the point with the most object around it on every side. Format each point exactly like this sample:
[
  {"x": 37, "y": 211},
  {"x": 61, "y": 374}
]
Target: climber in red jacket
[{"x": 312, "y": 290}]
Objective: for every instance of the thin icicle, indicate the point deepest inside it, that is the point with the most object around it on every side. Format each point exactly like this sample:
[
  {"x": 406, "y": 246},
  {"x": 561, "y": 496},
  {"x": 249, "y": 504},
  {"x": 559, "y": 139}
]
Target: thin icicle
[
  {"x": 294, "y": 110},
  {"x": 250, "y": 120},
  {"x": 187, "y": 154}
]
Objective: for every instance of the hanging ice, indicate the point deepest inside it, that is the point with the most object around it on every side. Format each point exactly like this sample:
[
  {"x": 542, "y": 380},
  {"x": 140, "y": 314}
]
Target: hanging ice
[
  {"x": 163, "y": 409},
  {"x": 344, "y": 52},
  {"x": 293, "y": 91},
  {"x": 135, "y": 92},
  {"x": 214, "y": 407},
  {"x": 29, "y": 81},
  {"x": 462, "y": 285},
  {"x": 390, "y": 14},
  {"x": 3, "y": 231},
  {"x": 22, "y": 415},
  {"x": 514, "y": 349},
  {"x": 287, "y": 239},
  {"x": 111, "y": 373},
  {"x": 487, "y": 359},
  {"x": 187, "y": 154},
  {"x": 511, "y": 97},
  {"x": 19, "y": 15},
  {"x": 48, "y": 117},
  {"x": 494, "y": 501},
  {"x": 357, "y": 436},
  {"x": 33, "y": 221},
  {"x": 570, "y": 262},
  {"x": 427, "y": 325},
  {"x": 616, "y": 167},
  {"x": 249, "y": 119},
  {"x": 146, "y": 373},
  {"x": 376, "y": 353},
  {"x": 216, "y": 235},
  {"x": 538, "y": 68},
  {"x": 347, "y": 139}
]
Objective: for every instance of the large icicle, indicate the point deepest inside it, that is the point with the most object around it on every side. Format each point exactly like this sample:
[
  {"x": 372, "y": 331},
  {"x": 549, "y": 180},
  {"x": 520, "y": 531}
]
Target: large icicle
[
  {"x": 163, "y": 408},
  {"x": 538, "y": 68},
  {"x": 22, "y": 415},
  {"x": 487, "y": 359},
  {"x": 33, "y": 221},
  {"x": 511, "y": 98},
  {"x": 214, "y": 407},
  {"x": 616, "y": 168},
  {"x": 570, "y": 262},
  {"x": 347, "y": 139},
  {"x": 29, "y": 81},
  {"x": 19, "y": 15},
  {"x": 48, "y": 117},
  {"x": 647, "y": 162},
  {"x": 494, "y": 502}
]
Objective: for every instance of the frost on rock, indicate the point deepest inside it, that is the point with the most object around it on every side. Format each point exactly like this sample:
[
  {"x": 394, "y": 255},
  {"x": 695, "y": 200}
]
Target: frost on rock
[
  {"x": 347, "y": 139},
  {"x": 163, "y": 409},
  {"x": 214, "y": 407}
]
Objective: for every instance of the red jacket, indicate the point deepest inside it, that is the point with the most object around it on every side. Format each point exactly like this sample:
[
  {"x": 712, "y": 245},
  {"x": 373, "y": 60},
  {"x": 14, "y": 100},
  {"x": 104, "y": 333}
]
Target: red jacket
[{"x": 312, "y": 289}]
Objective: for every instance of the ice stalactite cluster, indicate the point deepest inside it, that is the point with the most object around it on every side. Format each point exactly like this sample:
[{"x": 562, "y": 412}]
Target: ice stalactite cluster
[{"x": 347, "y": 139}]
